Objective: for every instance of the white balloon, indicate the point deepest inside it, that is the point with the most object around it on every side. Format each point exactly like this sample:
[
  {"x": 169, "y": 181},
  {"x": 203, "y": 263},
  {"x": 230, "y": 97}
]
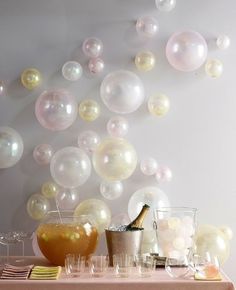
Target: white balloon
[
  {"x": 67, "y": 198},
  {"x": 223, "y": 41},
  {"x": 152, "y": 196},
  {"x": 11, "y": 147},
  {"x": 88, "y": 141},
  {"x": 122, "y": 92},
  {"x": 111, "y": 189},
  {"x": 117, "y": 127},
  {"x": 148, "y": 166},
  {"x": 165, "y": 5},
  {"x": 147, "y": 26},
  {"x": 72, "y": 71}
]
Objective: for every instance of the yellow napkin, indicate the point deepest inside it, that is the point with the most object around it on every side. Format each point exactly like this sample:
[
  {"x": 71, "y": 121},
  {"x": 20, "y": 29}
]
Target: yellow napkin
[
  {"x": 45, "y": 273},
  {"x": 198, "y": 276}
]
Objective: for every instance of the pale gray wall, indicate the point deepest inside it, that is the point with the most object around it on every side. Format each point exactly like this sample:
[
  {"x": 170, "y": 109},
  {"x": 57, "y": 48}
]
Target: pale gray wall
[{"x": 197, "y": 139}]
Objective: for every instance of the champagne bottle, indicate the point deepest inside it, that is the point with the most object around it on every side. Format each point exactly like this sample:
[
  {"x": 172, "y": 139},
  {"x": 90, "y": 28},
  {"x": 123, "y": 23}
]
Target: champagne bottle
[{"x": 136, "y": 224}]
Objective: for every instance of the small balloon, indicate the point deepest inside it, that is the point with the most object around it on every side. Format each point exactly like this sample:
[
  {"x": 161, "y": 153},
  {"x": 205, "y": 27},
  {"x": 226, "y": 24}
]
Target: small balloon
[
  {"x": 186, "y": 50},
  {"x": 122, "y": 92},
  {"x": 56, "y": 110},
  {"x": 96, "y": 208},
  {"x": 67, "y": 198},
  {"x": 92, "y": 47},
  {"x": 49, "y": 189},
  {"x": 31, "y": 78},
  {"x": 35, "y": 246},
  {"x": 114, "y": 159},
  {"x": 147, "y": 26},
  {"x": 2, "y": 89},
  {"x": 37, "y": 206},
  {"x": 96, "y": 65},
  {"x": 214, "y": 68},
  {"x": 11, "y": 147},
  {"x": 72, "y": 71},
  {"x": 165, "y": 5},
  {"x": 150, "y": 195},
  {"x": 111, "y": 189},
  {"x": 148, "y": 166},
  {"x": 117, "y": 127},
  {"x": 163, "y": 174},
  {"x": 145, "y": 61},
  {"x": 43, "y": 153},
  {"x": 70, "y": 167},
  {"x": 158, "y": 105},
  {"x": 227, "y": 232},
  {"x": 89, "y": 110},
  {"x": 210, "y": 239},
  {"x": 223, "y": 41},
  {"x": 88, "y": 141}
]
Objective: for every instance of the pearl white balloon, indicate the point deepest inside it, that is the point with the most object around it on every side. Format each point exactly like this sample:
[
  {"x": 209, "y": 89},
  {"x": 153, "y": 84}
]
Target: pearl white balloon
[
  {"x": 67, "y": 198},
  {"x": 150, "y": 195},
  {"x": 72, "y": 71},
  {"x": 147, "y": 26},
  {"x": 148, "y": 166},
  {"x": 214, "y": 68},
  {"x": 223, "y": 41},
  {"x": 111, "y": 189},
  {"x": 88, "y": 141},
  {"x": 122, "y": 92},
  {"x": 186, "y": 50},
  {"x": 165, "y": 5},
  {"x": 11, "y": 147},
  {"x": 227, "y": 232},
  {"x": 70, "y": 167},
  {"x": 92, "y": 47},
  {"x": 117, "y": 127}
]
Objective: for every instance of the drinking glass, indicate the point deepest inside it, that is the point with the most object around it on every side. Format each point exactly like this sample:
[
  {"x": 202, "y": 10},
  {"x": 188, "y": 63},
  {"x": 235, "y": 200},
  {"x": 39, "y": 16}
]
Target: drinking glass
[
  {"x": 98, "y": 266},
  {"x": 177, "y": 268},
  {"x": 145, "y": 265},
  {"x": 123, "y": 264},
  {"x": 74, "y": 265},
  {"x": 206, "y": 266}
]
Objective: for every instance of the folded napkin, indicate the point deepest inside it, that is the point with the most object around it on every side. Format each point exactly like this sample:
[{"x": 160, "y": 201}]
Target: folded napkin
[
  {"x": 45, "y": 273},
  {"x": 16, "y": 272},
  {"x": 198, "y": 276}
]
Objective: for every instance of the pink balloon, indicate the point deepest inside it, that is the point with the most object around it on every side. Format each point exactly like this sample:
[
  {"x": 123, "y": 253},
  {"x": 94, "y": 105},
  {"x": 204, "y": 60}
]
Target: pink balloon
[
  {"x": 56, "y": 109},
  {"x": 43, "y": 153},
  {"x": 163, "y": 174},
  {"x": 186, "y": 51},
  {"x": 96, "y": 65}
]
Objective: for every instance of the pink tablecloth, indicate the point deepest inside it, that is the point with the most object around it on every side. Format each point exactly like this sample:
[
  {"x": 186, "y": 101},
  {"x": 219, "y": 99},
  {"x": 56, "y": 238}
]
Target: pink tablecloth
[{"x": 159, "y": 281}]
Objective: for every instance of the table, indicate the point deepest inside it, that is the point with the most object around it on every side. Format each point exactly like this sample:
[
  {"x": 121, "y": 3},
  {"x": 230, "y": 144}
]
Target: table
[{"x": 159, "y": 281}]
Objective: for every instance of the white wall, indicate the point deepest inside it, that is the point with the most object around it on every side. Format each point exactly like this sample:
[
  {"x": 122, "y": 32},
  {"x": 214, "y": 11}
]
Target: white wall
[{"x": 197, "y": 139}]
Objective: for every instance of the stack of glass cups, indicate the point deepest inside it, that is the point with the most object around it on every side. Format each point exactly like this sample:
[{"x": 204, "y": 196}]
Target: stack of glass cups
[{"x": 175, "y": 229}]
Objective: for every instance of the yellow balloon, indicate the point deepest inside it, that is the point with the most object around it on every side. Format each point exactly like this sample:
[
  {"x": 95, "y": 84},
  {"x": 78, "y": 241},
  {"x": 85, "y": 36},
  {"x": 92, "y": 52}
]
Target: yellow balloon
[
  {"x": 98, "y": 210},
  {"x": 89, "y": 110},
  {"x": 214, "y": 68},
  {"x": 145, "y": 61},
  {"x": 227, "y": 232},
  {"x": 37, "y": 206},
  {"x": 158, "y": 105},
  {"x": 114, "y": 159},
  {"x": 210, "y": 239},
  {"x": 49, "y": 189},
  {"x": 31, "y": 78}
]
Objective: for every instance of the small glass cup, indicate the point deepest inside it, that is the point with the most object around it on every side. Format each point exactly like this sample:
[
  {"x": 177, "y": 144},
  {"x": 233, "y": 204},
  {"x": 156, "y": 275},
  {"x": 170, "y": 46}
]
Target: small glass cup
[
  {"x": 98, "y": 266},
  {"x": 74, "y": 265},
  {"x": 145, "y": 265},
  {"x": 123, "y": 264},
  {"x": 206, "y": 266},
  {"x": 177, "y": 268}
]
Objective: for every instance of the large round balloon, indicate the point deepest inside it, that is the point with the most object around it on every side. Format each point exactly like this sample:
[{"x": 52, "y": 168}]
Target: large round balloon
[
  {"x": 122, "y": 92},
  {"x": 114, "y": 159},
  {"x": 211, "y": 239},
  {"x": 186, "y": 50},
  {"x": 150, "y": 195},
  {"x": 98, "y": 210},
  {"x": 11, "y": 147},
  {"x": 70, "y": 167},
  {"x": 56, "y": 109}
]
